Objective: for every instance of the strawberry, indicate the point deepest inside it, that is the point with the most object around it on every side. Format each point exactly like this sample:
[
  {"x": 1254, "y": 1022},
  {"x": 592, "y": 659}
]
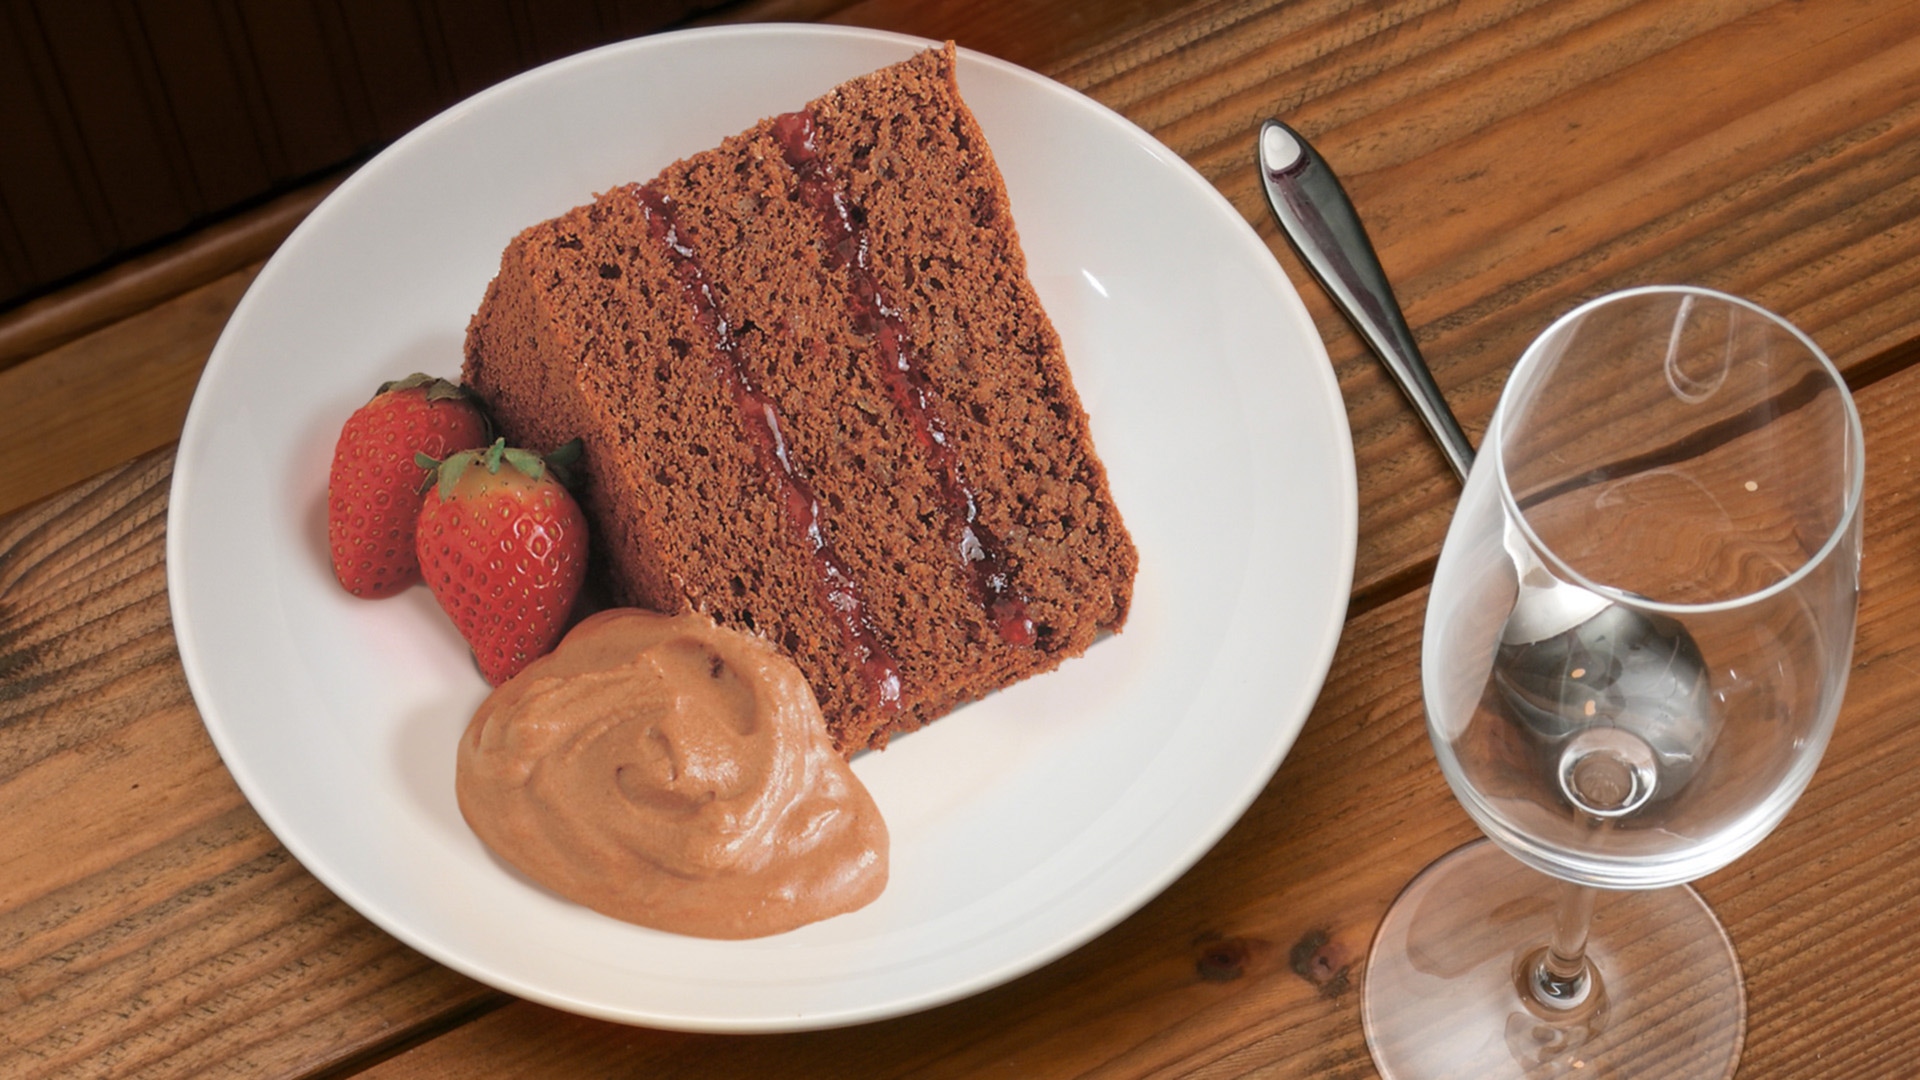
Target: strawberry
[
  {"x": 503, "y": 546},
  {"x": 373, "y": 492}
]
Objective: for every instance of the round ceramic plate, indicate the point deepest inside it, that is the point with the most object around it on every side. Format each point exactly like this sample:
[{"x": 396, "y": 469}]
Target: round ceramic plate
[{"x": 1022, "y": 825}]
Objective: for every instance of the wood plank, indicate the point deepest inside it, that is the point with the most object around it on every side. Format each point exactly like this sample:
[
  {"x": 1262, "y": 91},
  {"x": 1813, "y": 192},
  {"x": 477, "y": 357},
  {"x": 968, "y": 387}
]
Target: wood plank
[
  {"x": 110, "y": 396},
  {"x": 281, "y": 62},
  {"x": 149, "y": 923},
  {"x": 38, "y": 170},
  {"x": 1251, "y": 963},
  {"x": 1789, "y": 176},
  {"x": 219, "y": 145},
  {"x": 95, "y": 55}
]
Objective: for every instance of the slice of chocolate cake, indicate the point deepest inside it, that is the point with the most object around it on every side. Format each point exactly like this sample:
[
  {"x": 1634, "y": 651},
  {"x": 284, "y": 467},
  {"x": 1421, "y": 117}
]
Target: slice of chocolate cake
[{"x": 820, "y": 401}]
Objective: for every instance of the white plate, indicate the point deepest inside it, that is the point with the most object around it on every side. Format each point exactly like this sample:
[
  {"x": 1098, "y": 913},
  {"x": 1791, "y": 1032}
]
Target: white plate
[{"x": 1023, "y": 825}]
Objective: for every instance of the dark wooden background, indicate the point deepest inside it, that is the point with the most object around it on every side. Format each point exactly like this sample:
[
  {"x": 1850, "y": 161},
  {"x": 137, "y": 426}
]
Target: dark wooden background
[{"x": 124, "y": 123}]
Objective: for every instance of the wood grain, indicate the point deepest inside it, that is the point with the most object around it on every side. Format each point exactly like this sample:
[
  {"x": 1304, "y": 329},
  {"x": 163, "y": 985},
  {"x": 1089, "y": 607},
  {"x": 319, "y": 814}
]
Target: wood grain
[
  {"x": 1513, "y": 158},
  {"x": 111, "y": 395},
  {"x": 1251, "y": 963},
  {"x": 150, "y": 925}
]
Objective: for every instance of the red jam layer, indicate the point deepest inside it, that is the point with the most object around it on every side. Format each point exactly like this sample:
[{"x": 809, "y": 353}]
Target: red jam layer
[
  {"x": 902, "y": 373},
  {"x": 760, "y": 421}
]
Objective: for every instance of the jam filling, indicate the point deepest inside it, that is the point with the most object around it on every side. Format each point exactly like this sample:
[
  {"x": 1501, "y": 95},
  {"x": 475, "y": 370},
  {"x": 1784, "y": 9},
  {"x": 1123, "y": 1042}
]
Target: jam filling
[
  {"x": 901, "y": 366},
  {"x": 760, "y": 421}
]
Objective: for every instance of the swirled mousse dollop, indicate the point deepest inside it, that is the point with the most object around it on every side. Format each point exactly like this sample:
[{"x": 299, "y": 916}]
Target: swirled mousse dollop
[{"x": 672, "y": 773}]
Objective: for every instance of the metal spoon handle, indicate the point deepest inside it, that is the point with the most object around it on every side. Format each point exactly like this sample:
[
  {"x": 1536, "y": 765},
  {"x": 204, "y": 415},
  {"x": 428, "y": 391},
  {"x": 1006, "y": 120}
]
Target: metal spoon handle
[{"x": 1321, "y": 224}]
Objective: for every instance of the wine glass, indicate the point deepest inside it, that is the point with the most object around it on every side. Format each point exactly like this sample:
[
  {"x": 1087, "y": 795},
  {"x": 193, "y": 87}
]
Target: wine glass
[{"x": 1697, "y": 462}]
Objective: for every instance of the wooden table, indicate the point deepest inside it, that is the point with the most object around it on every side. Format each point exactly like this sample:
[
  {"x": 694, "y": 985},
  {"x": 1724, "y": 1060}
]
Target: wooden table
[{"x": 1512, "y": 158}]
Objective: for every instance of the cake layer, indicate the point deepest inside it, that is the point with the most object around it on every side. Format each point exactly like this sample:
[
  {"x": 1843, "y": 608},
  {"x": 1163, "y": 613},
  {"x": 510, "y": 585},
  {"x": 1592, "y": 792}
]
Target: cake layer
[{"x": 820, "y": 400}]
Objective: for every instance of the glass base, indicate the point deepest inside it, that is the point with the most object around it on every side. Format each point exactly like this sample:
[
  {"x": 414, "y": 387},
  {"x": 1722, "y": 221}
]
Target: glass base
[{"x": 1442, "y": 996}]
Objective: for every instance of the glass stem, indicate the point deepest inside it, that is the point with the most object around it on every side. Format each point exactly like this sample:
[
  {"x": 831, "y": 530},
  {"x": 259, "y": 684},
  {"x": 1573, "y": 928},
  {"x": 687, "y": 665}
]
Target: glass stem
[{"x": 1562, "y": 979}]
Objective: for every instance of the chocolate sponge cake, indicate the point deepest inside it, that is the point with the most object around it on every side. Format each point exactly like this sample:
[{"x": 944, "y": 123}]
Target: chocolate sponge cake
[{"x": 819, "y": 400}]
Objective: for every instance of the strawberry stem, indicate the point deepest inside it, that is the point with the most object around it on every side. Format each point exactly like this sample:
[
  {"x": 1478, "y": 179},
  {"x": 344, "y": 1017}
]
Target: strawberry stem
[
  {"x": 432, "y": 467},
  {"x": 450, "y": 471},
  {"x": 562, "y": 460},
  {"x": 526, "y": 461}
]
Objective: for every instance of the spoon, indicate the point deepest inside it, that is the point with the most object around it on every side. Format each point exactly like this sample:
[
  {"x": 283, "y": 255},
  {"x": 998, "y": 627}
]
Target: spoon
[{"x": 1644, "y": 668}]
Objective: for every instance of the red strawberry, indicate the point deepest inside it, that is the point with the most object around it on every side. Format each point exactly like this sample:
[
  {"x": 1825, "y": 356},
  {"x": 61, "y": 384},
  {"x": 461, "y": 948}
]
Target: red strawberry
[
  {"x": 503, "y": 546},
  {"x": 373, "y": 492}
]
